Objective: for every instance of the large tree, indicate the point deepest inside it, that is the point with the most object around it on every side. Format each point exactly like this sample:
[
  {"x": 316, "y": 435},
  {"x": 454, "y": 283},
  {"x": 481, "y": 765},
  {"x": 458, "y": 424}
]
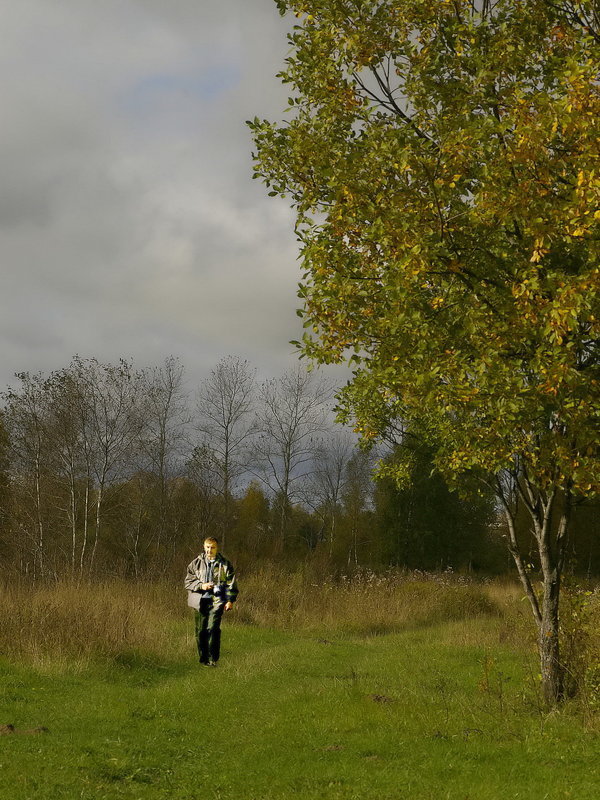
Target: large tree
[{"x": 443, "y": 160}]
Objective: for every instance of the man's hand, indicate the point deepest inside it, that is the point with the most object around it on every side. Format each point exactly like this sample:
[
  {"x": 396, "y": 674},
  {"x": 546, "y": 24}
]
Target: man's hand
[
  {"x": 228, "y": 606},
  {"x": 206, "y": 587}
]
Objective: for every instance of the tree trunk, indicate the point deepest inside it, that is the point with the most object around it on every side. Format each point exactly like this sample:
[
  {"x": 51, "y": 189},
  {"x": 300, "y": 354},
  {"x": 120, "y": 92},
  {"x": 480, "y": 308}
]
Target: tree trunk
[
  {"x": 99, "y": 499},
  {"x": 40, "y": 524},
  {"x": 73, "y": 513},
  {"x": 551, "y": 668},
  {"x": 551, "y": 545},
  {"x": 85, "y": 526}
]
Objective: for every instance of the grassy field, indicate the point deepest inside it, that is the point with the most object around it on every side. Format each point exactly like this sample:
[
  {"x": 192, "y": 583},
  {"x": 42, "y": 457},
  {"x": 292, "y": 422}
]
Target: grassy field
[{"x": 438, "y": 707}]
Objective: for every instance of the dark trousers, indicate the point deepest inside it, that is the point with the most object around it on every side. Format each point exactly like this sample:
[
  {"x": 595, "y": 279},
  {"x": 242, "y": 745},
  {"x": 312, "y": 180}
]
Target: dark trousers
[{"x": 208, "y": 629}]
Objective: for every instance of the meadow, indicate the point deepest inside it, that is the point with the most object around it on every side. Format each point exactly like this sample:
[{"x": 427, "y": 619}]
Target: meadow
[{"x": 414, "y": 686}]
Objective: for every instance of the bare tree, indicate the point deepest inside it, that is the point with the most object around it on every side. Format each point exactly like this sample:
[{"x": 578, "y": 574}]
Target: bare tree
[
  {"x": 135, "y": 542},
  {"x": 324, "y": 489},
  {"x": 200, "y": 472},
  {"x": 165, "y": 434},
  {"x": 26, "y": 420},
  {"x": 112, "y": 423},
  {"x": 357, "y": 496},
  {"x": 225, "y": 407},
  {"x": 292, "y": 416},
  {"x": 65, "y": 435}
]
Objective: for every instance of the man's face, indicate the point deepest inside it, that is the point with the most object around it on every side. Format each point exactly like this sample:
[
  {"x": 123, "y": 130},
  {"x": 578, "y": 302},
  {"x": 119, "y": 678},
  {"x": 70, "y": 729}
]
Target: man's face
[{"x": 210, "y": 549}]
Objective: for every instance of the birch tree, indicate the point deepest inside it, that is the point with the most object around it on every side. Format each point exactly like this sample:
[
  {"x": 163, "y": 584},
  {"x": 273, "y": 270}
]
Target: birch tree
[
  {"x": 25, "y": 416},
  {"x": 112, "y": 424}
]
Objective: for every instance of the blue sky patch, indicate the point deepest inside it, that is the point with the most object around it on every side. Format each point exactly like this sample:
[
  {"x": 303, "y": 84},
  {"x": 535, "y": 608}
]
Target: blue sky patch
[{"x": 154, "y": 90}]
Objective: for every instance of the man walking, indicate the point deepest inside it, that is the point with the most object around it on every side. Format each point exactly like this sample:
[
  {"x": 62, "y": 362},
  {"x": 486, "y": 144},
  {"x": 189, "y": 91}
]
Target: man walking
[{"x": 212, "y": 589}]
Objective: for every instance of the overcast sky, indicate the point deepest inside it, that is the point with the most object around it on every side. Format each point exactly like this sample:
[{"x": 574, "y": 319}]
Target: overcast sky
[{"x": 130, "y": 225}]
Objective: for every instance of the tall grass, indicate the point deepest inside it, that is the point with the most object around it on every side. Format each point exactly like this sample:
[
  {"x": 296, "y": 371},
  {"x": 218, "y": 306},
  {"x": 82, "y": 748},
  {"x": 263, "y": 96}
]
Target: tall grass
[
  {"x": 106, "y": 620},
  {"x": 364, "y": 602},
  {"x": 81, "y": 622}
]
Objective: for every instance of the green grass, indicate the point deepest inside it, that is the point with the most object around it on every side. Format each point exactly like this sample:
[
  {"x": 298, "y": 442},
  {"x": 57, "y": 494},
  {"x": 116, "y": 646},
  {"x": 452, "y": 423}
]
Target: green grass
[{"x": 431, "y": 712}]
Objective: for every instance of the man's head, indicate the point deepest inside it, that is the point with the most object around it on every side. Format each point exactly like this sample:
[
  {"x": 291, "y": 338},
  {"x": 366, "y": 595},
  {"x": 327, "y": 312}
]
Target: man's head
[{"x": 211, "y": 547}]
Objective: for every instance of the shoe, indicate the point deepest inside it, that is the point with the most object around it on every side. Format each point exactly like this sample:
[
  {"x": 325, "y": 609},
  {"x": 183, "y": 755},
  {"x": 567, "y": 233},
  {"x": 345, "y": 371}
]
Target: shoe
[{"x": 211, "y": 663}]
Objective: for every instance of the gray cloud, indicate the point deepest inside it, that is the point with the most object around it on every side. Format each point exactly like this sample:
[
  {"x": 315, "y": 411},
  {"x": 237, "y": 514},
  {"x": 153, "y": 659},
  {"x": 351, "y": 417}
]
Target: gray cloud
[{"x": 129, "y": 223}]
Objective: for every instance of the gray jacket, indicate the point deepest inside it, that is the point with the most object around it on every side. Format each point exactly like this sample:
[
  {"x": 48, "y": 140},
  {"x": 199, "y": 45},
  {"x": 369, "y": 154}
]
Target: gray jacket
[{"x": 223, "y": 577}]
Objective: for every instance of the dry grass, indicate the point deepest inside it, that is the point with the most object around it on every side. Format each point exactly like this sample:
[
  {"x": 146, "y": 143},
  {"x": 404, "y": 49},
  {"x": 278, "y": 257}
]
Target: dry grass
[
  {"x": 81, "y": 622},
  {"x": 368, "y": 602},
  {"x": 112, "y": 619}
]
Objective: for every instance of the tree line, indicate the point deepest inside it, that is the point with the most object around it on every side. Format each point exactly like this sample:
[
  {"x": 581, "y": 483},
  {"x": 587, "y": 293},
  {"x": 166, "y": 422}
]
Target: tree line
[{"x": 109, "y": 469}]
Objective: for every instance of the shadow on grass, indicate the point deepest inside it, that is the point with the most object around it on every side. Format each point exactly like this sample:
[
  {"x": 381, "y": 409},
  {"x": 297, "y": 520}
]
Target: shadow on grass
[{"x": 146, "y": 669}]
